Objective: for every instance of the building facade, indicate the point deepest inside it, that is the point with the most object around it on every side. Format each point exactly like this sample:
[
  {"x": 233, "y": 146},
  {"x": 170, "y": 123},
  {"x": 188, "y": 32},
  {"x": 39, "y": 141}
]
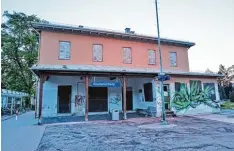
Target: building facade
[{"x": 85, "y": 71}]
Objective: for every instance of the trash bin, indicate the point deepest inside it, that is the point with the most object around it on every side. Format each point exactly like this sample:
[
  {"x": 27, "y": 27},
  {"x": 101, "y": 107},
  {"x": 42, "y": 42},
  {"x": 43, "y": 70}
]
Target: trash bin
[{"x": 115, "y": 114}]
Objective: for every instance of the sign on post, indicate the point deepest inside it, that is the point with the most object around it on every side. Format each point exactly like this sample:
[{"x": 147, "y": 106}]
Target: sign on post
[{"x": 163, "y": 77}]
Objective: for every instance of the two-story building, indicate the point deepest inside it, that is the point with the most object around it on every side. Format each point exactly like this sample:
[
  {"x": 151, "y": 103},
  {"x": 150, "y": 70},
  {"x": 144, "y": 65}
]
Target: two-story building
[{"x": 86, "y": 71}]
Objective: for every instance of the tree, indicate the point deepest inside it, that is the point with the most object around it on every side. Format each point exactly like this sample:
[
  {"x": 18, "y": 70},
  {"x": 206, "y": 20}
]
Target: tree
[
  {"x": 225, "y": 82},
  {"x": 19, "y": 51}
]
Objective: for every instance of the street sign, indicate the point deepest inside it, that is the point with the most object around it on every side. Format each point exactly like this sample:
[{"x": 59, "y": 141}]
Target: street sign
[
  {"x": 105, "y": 84},
  {"x": 163, "y": 78}
]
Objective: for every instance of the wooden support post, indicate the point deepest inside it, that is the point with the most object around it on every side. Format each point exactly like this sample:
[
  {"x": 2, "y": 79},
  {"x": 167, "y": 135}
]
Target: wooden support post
[
  {"x": 42, "y": 80},
  {"x": 86, "y": 98},
  {"x": 124, "y": 98}
]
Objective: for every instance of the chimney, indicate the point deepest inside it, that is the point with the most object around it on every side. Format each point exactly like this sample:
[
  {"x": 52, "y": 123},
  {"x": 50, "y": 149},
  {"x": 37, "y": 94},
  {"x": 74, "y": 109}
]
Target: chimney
[{"x": 127, "y": 30}]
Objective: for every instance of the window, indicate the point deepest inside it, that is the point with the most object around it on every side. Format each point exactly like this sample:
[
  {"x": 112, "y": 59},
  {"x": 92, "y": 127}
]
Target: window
[
  {"x": 64, "y": 50},
  {"x": 151, "y": 57},
  {"x": 127, "y": 55},
  {"x": 196, "y": 83},
  {"x": 9, "y": 102},
  {"x": 173, "y": 59},
  {"x": 179, "y": 86},
  {"x": 211, "y": 94},
  {"x": 97, "y": 53},
  {"x": 148, "y": 92}
]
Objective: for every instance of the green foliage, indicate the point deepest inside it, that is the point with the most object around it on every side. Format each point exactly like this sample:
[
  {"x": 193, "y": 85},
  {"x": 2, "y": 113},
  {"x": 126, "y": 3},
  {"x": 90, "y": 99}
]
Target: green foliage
[
  {"x": 183, "y": 100},
  {"x": 227, "y": 105},
  {"x": 19, "y": 51},
  {"x": 231, "y": 96},
  {"x": 225, "y": 85}
]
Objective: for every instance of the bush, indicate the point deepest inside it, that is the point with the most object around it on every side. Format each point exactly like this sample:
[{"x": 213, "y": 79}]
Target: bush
[{"x": 231, "y": 96}]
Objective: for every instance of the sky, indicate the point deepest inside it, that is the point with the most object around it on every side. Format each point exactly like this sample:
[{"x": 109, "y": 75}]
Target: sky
[{"x": 208, "y": 23}]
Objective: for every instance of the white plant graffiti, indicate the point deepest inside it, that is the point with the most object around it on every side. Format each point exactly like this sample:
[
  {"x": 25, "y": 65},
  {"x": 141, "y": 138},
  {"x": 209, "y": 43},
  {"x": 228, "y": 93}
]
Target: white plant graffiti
[
  {"x": 79, "y": 102},
  {"x": 115, "y": 99}
]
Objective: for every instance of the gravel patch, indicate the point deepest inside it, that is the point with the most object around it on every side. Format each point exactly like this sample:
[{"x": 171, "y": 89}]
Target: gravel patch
[{"x": 190, "y": 134}]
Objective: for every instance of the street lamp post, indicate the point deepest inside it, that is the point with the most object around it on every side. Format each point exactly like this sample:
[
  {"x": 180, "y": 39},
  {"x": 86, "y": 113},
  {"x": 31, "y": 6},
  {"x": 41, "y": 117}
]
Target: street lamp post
[{"x": 161, "y": 69}]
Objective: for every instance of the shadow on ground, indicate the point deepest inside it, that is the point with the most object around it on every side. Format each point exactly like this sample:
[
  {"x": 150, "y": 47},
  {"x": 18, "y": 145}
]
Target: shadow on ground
[{"x": 190, "y": 134}]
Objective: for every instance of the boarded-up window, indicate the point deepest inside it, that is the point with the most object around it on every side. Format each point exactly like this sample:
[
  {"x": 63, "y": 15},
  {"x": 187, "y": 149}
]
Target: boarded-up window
[
  {"x": 151, "y": 57},
  {"x": 97, "y": 53},
  {"x": 127, "y": 55},
  {"x": 173, "y": 59},
  {"x": 148, "y": 92},
  {"x": 211, "y": 93},
  {"x": 64, "y": 50}
]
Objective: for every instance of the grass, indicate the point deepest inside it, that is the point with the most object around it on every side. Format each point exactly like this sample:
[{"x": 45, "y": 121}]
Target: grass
[{"x": 227, "y": 105}]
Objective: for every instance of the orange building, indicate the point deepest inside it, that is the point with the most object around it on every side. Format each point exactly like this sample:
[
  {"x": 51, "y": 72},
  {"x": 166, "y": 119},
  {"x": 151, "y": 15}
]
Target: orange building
[{"x": 86, "y": 71}]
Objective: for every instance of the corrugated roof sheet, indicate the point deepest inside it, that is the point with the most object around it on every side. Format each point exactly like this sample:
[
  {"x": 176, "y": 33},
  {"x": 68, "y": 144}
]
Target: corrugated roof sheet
[{"x": 99, "y": 68}]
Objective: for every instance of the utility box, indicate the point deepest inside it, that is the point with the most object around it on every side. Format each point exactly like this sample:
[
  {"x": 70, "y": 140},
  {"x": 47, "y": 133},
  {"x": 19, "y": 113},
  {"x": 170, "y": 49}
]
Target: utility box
[{"x": 115, "y": 115}]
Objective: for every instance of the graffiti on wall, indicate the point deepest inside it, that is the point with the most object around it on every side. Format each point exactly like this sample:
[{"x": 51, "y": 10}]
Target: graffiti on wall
[
  {"x": 115, "y": 99},
  {"x": 79, "y": 102}
]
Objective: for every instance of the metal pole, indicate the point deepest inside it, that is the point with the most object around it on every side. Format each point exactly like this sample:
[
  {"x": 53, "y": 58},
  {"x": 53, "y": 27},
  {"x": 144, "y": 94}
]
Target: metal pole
[
  {"x": 161, "y": 68},
  {"x": 11, "y": 105}
]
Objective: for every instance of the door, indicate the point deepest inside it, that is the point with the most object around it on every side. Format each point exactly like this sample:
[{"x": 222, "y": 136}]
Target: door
[
  {"x": 166, "y": 96},
  {"x": 64, "y": 99},
  {"x": 98, "y": 99},
  {"x": 129, "y": 99}
]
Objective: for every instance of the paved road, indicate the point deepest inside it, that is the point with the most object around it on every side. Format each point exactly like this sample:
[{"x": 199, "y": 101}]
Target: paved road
[{"x": 23, "y": 134}]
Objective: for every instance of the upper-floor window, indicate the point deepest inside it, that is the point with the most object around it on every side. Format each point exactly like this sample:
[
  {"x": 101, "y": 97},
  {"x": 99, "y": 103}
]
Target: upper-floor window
[
  {"x": 97, "y": 53},
  {"x": 173, "y": 59},
  {"x": 127, "y": 55},
  {"x": 64, "y": 50},
  {"x": 151, "y": 57}
]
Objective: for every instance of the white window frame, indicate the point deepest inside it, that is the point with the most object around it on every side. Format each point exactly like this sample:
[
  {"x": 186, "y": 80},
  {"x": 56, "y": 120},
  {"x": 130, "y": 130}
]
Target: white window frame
[
  {"x": 125, "y": 58},
  {"x": 66, "y": 54},
  {"x": 151, "y": 56},
  {"x": 176, "y": 60},
  {"x": 94, "y": 52}
]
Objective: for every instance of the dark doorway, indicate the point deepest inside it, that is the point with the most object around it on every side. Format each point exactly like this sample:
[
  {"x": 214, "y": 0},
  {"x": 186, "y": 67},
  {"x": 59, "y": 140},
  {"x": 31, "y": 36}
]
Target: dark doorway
[
  {"x": 129, "y": 99},
  {"x": 64, "y": 99},
  {"x": 166, "y": 96},
  {"x": 98, "y": 99}
]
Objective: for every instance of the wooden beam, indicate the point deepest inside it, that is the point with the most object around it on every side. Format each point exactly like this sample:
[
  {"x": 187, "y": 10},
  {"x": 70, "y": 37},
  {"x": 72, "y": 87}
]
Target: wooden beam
[
  {"x": 124, "y": 98},
  {"x": 86, "y": 98}
]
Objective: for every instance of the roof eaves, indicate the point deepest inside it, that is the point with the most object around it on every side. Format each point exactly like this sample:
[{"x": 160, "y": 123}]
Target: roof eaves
[
  {"x": 44, "y": 26},
  {"x": 120, "y": 70}
]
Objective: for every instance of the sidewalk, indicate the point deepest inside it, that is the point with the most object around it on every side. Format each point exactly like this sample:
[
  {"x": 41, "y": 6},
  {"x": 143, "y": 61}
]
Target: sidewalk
[
  {"x": 23, "y": 134},
  {"x": 217, "y": 117},
  {"x": 6, "y": 117}
]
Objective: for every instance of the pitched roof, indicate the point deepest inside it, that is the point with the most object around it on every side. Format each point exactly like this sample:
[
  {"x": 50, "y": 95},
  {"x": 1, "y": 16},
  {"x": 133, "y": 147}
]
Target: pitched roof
[
  {"x": 107, "y": 33},
  {"x": 114, "y": 69}
]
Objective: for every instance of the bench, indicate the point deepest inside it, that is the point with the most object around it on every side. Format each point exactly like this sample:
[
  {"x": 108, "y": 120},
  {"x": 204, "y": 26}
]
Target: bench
[{"x": 150, "y": 111}]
